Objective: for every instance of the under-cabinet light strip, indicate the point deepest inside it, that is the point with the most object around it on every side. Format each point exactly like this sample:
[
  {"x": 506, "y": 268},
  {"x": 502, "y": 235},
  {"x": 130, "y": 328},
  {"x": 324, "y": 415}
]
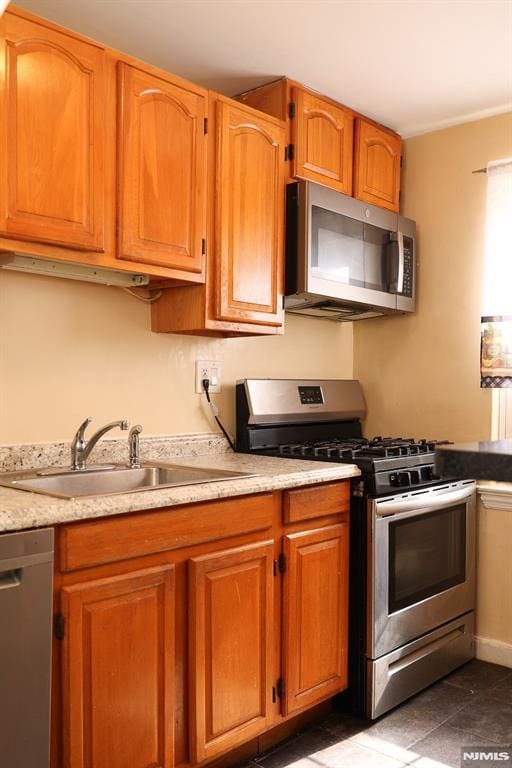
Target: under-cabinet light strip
[{"x": 22, "y": 263}]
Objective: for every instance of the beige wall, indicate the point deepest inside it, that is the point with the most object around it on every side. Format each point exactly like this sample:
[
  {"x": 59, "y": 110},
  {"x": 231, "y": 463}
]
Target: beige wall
[
  {"x": 70, "y": 350},
  {"x": 420, "y": 373}
]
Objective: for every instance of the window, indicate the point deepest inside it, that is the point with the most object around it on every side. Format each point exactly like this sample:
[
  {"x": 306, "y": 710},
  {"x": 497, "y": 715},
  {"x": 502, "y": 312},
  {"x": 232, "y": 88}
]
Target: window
[
  {"x": 496, "y": 335},
  {"x": 501, "y": 414}
]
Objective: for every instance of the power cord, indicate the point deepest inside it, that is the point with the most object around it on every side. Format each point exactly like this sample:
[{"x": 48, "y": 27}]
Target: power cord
[
  {"x": 147, "y": 299},
  {"x": 215, "y": 411}
]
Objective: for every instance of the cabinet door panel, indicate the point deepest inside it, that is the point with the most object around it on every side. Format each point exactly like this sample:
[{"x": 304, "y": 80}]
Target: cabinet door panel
[
  {"x": 249, "y": 216},
  {"x": 377, "y": 166},
  {"x": 323, "y": 141},
  {"x": 52, "y": 138},
  {"x": 118, "y": 671},
  {"x": 315, "y": 615},
  {"x": 162, "y": 145},
  {"x": 230, "y": 632}
]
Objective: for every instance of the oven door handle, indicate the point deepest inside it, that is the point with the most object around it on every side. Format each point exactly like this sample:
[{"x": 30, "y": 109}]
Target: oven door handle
[{"x": 426, "y": 501}]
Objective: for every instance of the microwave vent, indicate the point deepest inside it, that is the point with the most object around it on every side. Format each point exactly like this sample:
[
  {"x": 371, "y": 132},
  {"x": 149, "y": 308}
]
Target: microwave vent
[{"x": 330, "y": 310}]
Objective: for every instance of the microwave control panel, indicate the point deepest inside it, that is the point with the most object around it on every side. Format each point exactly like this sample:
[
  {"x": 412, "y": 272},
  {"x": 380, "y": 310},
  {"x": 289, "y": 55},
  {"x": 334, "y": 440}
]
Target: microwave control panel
[{"x": 408, "y": 267}]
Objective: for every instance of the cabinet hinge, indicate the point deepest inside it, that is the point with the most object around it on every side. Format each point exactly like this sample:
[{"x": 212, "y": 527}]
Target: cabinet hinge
[
  {"x": 203, "y": 246},
  {"x": 400, "y": 196},
  {"x": 274, "y": 694},
  {"x": 206, "y": 125},
  {"x": 59, "y": 626},
  {"x": 281, "y": 563},
  {"x": 280, "y": 688},
  {"x": 289, "y": 152},
  {"x": 401, "y": 161},
  {"x": 291, "y": 110}
]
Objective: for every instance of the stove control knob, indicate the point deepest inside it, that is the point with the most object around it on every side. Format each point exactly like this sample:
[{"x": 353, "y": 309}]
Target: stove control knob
[
  {"x": 404, "y": 478},
  {"x": 415, "y": 476},
  {"x": 394, "y": 479}
]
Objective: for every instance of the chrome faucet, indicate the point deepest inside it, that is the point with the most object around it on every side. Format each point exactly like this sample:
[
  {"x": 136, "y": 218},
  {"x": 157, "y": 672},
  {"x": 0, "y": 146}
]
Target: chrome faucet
[
  {"x": 81, "y": 448},
  {"x": 134, "y": 447}
]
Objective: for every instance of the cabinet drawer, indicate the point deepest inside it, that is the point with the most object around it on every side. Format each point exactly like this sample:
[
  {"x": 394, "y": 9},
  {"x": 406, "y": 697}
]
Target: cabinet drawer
[
  {"x": 316, "y": 501},
  {"x": 123, "y": 537}
]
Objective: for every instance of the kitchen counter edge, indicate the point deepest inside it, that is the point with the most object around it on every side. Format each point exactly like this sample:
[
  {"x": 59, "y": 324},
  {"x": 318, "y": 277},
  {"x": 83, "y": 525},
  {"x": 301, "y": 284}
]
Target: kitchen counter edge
[
  {"x": 484, "y": 460},
  {"x": 22, "y": 510}
]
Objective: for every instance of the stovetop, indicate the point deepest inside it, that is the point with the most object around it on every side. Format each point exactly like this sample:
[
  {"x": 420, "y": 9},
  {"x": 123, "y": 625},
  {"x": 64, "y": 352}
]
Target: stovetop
[
  {"x": 386, "y": 463},
  {"x": 322, "y": 421}
]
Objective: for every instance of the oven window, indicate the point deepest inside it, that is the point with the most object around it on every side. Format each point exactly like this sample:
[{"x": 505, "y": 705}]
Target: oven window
[{"x": 427, "y": 554}]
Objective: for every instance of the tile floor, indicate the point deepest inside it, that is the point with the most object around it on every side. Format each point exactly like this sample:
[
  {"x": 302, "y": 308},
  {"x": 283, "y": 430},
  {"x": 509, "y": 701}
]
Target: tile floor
[{"x": 470, "y": 707}]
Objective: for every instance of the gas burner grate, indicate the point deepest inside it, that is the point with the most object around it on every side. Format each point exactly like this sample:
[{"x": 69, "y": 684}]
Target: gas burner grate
[{"x": 354, "y": 448}]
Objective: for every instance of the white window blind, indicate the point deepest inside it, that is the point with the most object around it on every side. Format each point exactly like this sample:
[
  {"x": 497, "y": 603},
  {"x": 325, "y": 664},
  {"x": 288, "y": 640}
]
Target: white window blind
[
  {"x": 496, "y": 347},
  {"x": 496, "y": 338},
  {"x": 497, "y": 298},
  {"x": 501, "y": 414}
]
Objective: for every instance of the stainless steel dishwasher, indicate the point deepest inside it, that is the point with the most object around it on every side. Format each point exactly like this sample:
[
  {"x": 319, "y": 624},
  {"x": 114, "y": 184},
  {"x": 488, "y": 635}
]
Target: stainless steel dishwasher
[{"x": 26, "y": 577}]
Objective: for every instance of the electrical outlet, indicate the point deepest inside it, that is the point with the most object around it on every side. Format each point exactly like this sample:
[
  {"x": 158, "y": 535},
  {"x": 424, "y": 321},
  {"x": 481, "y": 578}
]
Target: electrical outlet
[{"x": 208, "y": 369}]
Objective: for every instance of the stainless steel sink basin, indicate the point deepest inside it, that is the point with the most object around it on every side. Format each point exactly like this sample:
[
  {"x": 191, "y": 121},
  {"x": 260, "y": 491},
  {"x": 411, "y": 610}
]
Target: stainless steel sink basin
[{"x": 113, "y": 480}]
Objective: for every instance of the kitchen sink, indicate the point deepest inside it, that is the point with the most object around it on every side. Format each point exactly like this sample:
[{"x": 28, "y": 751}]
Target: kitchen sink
[{"x": 106, "y": 481}]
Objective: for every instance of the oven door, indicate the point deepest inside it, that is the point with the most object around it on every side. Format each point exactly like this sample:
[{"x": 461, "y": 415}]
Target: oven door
[{"x": 421, "y": 563}]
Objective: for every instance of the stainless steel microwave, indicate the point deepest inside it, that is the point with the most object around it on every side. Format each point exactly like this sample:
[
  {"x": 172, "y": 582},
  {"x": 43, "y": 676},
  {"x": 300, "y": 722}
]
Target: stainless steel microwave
[{"x": 345, "y": 259}]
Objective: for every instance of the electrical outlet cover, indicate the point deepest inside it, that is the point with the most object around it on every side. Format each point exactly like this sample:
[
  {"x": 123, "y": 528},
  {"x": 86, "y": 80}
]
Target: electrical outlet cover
[{"x": 208, "y": 369}]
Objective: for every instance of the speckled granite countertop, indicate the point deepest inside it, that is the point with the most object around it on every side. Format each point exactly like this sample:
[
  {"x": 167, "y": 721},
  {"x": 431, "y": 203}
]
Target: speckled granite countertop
[
  {"x": 21, "y": 509},
  {"x": 486, "y": 460}
]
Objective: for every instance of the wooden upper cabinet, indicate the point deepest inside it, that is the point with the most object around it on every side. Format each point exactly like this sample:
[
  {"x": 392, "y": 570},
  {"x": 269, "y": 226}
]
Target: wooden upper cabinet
[
  {"x": 231, "y": 641},
  {"x": 118, "y": 673},
  {"x": 249, "y": 213},
  {"x": 330, "y": 142},
  {"x": 162, "y": 171},
  {"x": 52, "y": 136},
  {"x": 315, "y": 615},
  {"x": 377, "y": 165},
  {"x": 322, "y": 137},
  {"x": 243, "y": 294}
]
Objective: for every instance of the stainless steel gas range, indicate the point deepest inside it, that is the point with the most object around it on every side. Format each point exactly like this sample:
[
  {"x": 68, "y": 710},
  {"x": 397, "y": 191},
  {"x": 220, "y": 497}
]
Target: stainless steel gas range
[{"x": 412, "y": 561}]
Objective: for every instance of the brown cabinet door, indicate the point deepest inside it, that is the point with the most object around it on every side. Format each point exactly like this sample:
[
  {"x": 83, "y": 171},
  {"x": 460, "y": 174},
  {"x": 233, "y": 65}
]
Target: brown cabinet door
[
  {"x": 162, "y": 171},
  {"x": 315, "y": 615},
  {"x": 377, "y": 165},
  {"x": 323, "y": 141},
  {"x": 51, "y": 136},
  {"x": 118, "y": 671},
  {"x": 230, "y": 635},
  {"x": 249, "y": 207}
]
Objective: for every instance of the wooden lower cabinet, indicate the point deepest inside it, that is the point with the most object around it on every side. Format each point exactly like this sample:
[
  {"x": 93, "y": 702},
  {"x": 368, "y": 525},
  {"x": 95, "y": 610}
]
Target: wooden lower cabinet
[
  {"x": 183, "y": 641},
  {"x": 315, "y": 615},
  {"x": 231, "y": 638},
  {"x": 118, "y": 671}
]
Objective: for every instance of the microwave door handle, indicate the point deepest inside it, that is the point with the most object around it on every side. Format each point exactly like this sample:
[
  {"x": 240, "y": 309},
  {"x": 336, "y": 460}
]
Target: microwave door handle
[{"x": 401, "y": 261}]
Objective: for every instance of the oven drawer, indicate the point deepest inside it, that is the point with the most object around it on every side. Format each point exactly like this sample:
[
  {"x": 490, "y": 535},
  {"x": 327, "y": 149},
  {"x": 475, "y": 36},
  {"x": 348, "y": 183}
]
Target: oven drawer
[{"x": 394, "y": 677}]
